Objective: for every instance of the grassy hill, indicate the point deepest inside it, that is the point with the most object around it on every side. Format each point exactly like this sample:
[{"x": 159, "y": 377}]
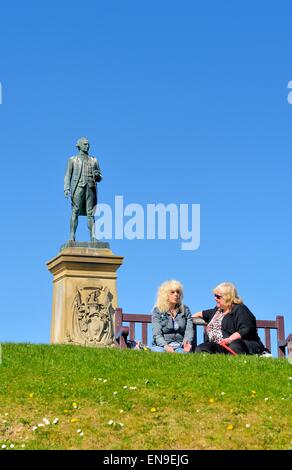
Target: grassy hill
[{"x": 69, "y": 397}]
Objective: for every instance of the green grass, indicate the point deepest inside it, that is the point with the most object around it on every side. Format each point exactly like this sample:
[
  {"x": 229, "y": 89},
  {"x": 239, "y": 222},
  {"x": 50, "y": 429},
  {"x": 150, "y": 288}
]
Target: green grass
[{"x": 177, "y": 401}]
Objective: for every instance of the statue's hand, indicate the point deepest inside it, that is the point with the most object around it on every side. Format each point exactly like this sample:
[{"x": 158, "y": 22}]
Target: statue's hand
[
  {"x": 97, "y": 177},
  {"x": 67, "y": 193}
]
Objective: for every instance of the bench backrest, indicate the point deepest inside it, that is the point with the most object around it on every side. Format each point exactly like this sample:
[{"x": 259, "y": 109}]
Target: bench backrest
[{"x": 132, "y": 319}]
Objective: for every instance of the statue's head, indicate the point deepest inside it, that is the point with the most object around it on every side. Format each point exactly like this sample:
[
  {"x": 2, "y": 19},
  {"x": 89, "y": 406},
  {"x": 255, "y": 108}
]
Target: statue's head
[{"x": 83, "y": 144}]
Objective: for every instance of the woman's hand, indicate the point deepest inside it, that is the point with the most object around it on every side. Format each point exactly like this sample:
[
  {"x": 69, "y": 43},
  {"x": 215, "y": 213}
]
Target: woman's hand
[
  {"x": 168, "y": 348},
  {"x": 231, "y": 338},
  {"x": 225, "y": 341},
  {"x": 187, "y": 347}
]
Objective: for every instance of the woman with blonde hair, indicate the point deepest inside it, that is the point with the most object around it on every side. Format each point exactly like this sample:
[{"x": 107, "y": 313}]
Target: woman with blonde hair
[
  {"x": 229, "y": 324},
  {"x": 171, "y": 320}
]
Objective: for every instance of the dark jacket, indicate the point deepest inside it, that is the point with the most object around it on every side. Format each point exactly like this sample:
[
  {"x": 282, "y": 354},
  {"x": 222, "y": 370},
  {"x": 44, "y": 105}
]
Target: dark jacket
[
  {"x": 240, "y": 319},
  {"x": 163, "y": 327}
]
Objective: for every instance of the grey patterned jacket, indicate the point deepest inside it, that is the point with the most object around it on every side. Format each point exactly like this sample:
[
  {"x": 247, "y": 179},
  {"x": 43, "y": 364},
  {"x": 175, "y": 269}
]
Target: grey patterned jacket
[{"x": 165, "y": 331}]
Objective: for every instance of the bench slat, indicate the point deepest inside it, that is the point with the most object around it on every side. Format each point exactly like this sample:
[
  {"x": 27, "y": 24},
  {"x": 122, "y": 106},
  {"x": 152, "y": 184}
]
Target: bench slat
[
  {"x": 267, "y": 324},
  {"x": 268, "y": 338},
  {"x": 132, "y": 330},
  {"x": 144, "y": 333},
  {"x": 138, "y": 318}
]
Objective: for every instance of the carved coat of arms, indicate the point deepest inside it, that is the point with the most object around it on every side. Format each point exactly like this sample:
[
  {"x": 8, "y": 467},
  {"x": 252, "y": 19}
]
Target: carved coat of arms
[{"x": 92, "y": 317}]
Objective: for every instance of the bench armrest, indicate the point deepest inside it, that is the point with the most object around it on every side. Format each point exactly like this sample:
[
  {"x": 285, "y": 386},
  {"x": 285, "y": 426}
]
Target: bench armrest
[
  {"x": 286, "y": 343},
  {"x": 121, "y": 337}
]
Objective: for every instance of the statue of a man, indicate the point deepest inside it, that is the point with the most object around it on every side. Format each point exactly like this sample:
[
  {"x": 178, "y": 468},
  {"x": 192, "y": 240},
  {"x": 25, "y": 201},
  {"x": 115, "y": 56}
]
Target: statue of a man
[{"x": 80, "y": 180}]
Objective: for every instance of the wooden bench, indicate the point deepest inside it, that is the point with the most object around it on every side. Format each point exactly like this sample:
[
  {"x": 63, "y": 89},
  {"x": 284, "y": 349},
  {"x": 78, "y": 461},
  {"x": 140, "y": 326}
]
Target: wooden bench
[{"x": 125, "y": 333}]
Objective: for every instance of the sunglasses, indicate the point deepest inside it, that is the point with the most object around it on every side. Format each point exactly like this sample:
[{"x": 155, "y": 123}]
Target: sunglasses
[
  {"x": 175, "y": 291},
  {"x": 217, "y": 296}
]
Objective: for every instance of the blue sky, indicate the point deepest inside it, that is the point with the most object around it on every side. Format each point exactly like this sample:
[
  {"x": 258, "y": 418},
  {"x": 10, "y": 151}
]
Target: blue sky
[{"x": 183, "y": 102}]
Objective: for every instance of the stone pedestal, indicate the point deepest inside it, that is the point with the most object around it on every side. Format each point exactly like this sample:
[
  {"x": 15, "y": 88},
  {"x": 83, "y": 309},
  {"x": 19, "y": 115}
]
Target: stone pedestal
[{"x": 84, "y": 294}]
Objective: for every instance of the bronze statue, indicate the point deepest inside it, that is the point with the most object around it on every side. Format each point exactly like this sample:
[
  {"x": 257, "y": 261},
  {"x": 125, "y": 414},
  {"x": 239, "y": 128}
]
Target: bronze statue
[{"x": 80, "y": 180}]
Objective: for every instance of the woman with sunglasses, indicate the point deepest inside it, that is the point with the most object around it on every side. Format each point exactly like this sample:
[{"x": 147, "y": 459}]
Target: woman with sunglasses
[
  {"x": 171, "y": 320},
  {"x": 230, "y": 325}
]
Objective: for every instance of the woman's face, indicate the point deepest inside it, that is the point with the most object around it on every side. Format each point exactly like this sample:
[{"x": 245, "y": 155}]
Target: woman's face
[
  {"x": 220, "y": 300},
  {"x": 174, "y": 296}
]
